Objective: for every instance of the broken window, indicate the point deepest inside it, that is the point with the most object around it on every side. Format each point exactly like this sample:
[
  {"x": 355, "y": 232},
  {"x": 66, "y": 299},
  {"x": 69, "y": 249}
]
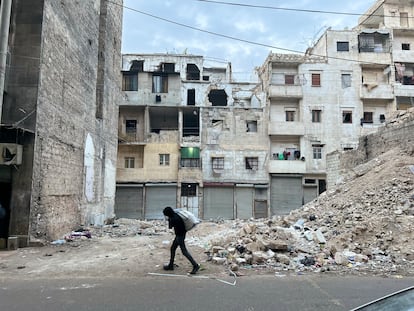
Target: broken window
[
  {"x": 218, "y": 97},
  {"x": 137, "y": 66},
  {"x": 188, "y": 190},
  {"x": 342, "y": 46},
  {"x": 159, "y": 83},
  {"x": 251, "y": 163},
  {"x": 217, "y": 163},
  {"x": 129, "y": 81},
  {"x": 376, "y": 42},
  {"x": 317, "y": 151},
  {"x": 191, "y": 97},
  {"x": 316, "y": 116},
  {"x": 405, "y": 46},
  {"x": 193, "y": 73},
  {"x": 164, "y": 159},
  {"x": 316, "y": 79},
  {"x": 251, "y": 126},
  {"x": 346, "y": 80},
  {"x": 129, "y": 162},
  {"x": 290, "y": 115},
  {"x": 347, "y": 117}
]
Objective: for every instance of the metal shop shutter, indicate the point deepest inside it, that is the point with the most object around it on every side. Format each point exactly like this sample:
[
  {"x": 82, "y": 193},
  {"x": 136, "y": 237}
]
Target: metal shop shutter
[
  {"x": 218, "y": 202},
  {"x": 285, "y": 194},
  {"x": 244, "y": 202},
  {"x": 309, "y": 193},
  {"x": 128, "y": 202},
  {"x": 158, "y": 197}
]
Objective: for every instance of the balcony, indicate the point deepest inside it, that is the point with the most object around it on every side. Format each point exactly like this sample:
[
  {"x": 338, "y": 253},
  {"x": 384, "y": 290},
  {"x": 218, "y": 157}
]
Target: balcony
[
  {"x": 376, "y": 91},
  {"x": 403, "y": 90},
  {"x": 287, "y": 167},
  {"x": 283, "y": 91},
  {"x": 286, "y": 128},
  {"x": 403, "y": 56}
]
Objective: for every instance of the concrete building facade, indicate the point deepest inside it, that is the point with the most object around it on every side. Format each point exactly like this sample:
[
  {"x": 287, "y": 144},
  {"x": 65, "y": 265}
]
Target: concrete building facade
[
  {"x": 190, "y": 137},
  {"x": 345, "y": 86},
  {"x": 59, "y": 115}
]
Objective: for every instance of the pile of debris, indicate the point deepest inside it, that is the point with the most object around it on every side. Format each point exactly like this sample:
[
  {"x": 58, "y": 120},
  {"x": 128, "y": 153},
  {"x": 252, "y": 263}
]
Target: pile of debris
[{"x": 365, "y": 224}]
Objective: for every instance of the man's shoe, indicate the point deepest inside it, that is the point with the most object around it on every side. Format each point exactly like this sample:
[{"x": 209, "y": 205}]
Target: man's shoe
[
  {"x": 168, "y": 267},
  {"x": 195, "y": 269}
]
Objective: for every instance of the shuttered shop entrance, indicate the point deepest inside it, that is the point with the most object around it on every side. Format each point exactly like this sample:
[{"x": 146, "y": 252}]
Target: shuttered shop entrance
[
  {"x": 158, "y": 197},
  {"x": 218, "y": 202},
  {"x": 285, "y": 194},
  {"x": 128, "y": 202},
  {"x": 309, "y": 193},
  {"x": 244, "y": 202}
]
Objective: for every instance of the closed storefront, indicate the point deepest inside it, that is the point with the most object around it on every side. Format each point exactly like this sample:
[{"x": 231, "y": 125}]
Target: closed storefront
[
  {"x": 128, "y": 201},
  {"x": 157, "y": 197},
  {"x": 244, "y": 201},
  {"x": 309, "y": 193},
  {"x": 218, "y": 202},
  {"x": 286, "y": 194}
]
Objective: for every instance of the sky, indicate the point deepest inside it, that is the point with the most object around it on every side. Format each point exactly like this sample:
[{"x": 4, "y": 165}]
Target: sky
[{"x": 191, "y": 26}]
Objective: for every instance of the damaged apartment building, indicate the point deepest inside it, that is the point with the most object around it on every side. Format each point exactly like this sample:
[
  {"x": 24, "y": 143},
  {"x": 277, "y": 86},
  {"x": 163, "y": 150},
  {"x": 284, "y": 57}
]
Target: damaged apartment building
[
  {"x": 345, "y": 86},
  {"x": 190, "y": 137},
  {"x": 58, "y": 137}
]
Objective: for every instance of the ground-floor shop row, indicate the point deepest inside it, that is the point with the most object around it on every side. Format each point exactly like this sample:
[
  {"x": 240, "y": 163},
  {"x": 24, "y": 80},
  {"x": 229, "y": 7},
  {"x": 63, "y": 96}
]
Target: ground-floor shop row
[{"x": 217, "y": 200}]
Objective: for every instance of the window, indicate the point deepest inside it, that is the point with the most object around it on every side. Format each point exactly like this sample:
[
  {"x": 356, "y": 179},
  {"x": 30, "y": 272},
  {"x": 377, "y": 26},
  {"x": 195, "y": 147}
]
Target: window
[
  {"x": 164, "y": 159},
  {"x": 130, "y": 126},
  {"x": 316, "y": 79},
  {"x": 405, "y": 46},
  {"x": 346, "y": 80},
  {"x": 289, "y": 79},
  {"x": 316, "y": 116},
  {"x": 290, "y": 116},
  {"x": 317, "y": 151},
  {"x": 129, "y": 162},
  {"x": 404, "y": 19},
  {"x": 168, "y": 67},
  {"x": 251, "y": 163},
  {"x": 342, "y": 46},
  {"x": 368, "y": 117},
  {"x": 251, "y": 126},
  {"x": 193, "y": 73},
  {"x": 129, "y": 81},
  {"x": 159, "y": 83},
  {"x": 347, "y": 117},
  {"x": 218, "y": 97},
  {"x": 218, "y": 163},
  {"x": 191, "y": 97},
  {"x": 188, "y": 190}
]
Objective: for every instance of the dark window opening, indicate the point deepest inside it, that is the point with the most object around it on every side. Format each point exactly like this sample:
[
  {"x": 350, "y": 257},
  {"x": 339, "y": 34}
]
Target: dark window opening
[
  {"x": 191, "y": 97},
  {"x": 129, "y": 81},
  {"x": 251, "y": 126},
  {"x": 405, "y": 46},
  {"x": 310, "y": 181},
  {"x": 188, "y": 190},
  {"x": 252, "y": 163},
  {"x": 290, "y": 116},
  {"x": 206, "y": 78},
  {"x": 131, "y": 126},
  {"x": 342, "y": 46},
  {"x": 193, "y": 73},
  {"x": 168, "y": 67},
  {"x": 218, "y": 97},
  {"x": 191, "y": 123},
  {"x": 382, "y": 118},
  {"x": 347, "y": 117},
  {"x": 322, "y": 185},
  {"x": 316, "y": 116},
  {"x": 290, "y": 79},
  {"x": 137, "y": 66},
  {"x": 368, "y": 117}
]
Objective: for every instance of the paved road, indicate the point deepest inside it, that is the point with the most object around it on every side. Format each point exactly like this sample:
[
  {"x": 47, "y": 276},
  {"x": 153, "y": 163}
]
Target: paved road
[{"x": 159, "y": 292}]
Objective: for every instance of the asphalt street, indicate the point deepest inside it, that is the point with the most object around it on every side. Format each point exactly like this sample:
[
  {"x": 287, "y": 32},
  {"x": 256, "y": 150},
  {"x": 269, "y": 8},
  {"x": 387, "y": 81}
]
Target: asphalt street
[{"x": 170, "y": 292}]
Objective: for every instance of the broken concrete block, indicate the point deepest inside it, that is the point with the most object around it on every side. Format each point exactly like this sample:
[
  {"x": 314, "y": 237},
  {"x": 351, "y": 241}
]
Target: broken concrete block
[
  {"x": 219, "y": 260},
  {"x": 319, "y": 237}
]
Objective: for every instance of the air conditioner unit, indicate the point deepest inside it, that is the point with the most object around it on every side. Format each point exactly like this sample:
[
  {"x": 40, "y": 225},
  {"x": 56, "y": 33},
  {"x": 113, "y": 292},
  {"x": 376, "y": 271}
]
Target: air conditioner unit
[{"x": 11, "y": 154}]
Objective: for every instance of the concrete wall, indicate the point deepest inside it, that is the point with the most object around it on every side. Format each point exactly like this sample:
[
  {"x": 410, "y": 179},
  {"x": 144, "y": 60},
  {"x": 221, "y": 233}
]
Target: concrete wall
[{"x": 75, "y": 140}]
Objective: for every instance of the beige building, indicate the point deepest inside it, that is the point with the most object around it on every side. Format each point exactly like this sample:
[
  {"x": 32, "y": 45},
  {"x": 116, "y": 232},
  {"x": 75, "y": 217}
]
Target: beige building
[{"x": 190, "y": 137}]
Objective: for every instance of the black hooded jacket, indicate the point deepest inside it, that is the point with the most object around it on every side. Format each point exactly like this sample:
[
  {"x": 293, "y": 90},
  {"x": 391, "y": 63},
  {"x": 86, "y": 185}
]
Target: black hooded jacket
[{"x": 175, "y": 221}]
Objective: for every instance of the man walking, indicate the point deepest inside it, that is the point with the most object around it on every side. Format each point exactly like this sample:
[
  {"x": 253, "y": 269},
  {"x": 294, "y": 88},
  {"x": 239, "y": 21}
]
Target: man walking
[{"x": 176, "y": 222}]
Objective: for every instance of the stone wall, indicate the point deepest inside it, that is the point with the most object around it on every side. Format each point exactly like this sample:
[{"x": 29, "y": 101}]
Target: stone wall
[{"x": 396, "y": 133}]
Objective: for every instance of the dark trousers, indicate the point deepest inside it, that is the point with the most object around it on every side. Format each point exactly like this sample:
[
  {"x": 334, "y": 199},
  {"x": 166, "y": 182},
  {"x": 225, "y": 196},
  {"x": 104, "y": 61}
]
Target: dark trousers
[{"x": 179, "y": 241}]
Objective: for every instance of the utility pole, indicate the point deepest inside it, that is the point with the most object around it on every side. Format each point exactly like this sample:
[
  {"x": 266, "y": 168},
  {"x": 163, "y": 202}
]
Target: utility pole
[{"x": 5, "y": 13}]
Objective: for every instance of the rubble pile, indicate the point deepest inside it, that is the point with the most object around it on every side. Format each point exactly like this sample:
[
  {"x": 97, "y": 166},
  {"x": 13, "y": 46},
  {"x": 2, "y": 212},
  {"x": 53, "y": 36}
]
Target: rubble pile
[{"x": 366, "y": 224}]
